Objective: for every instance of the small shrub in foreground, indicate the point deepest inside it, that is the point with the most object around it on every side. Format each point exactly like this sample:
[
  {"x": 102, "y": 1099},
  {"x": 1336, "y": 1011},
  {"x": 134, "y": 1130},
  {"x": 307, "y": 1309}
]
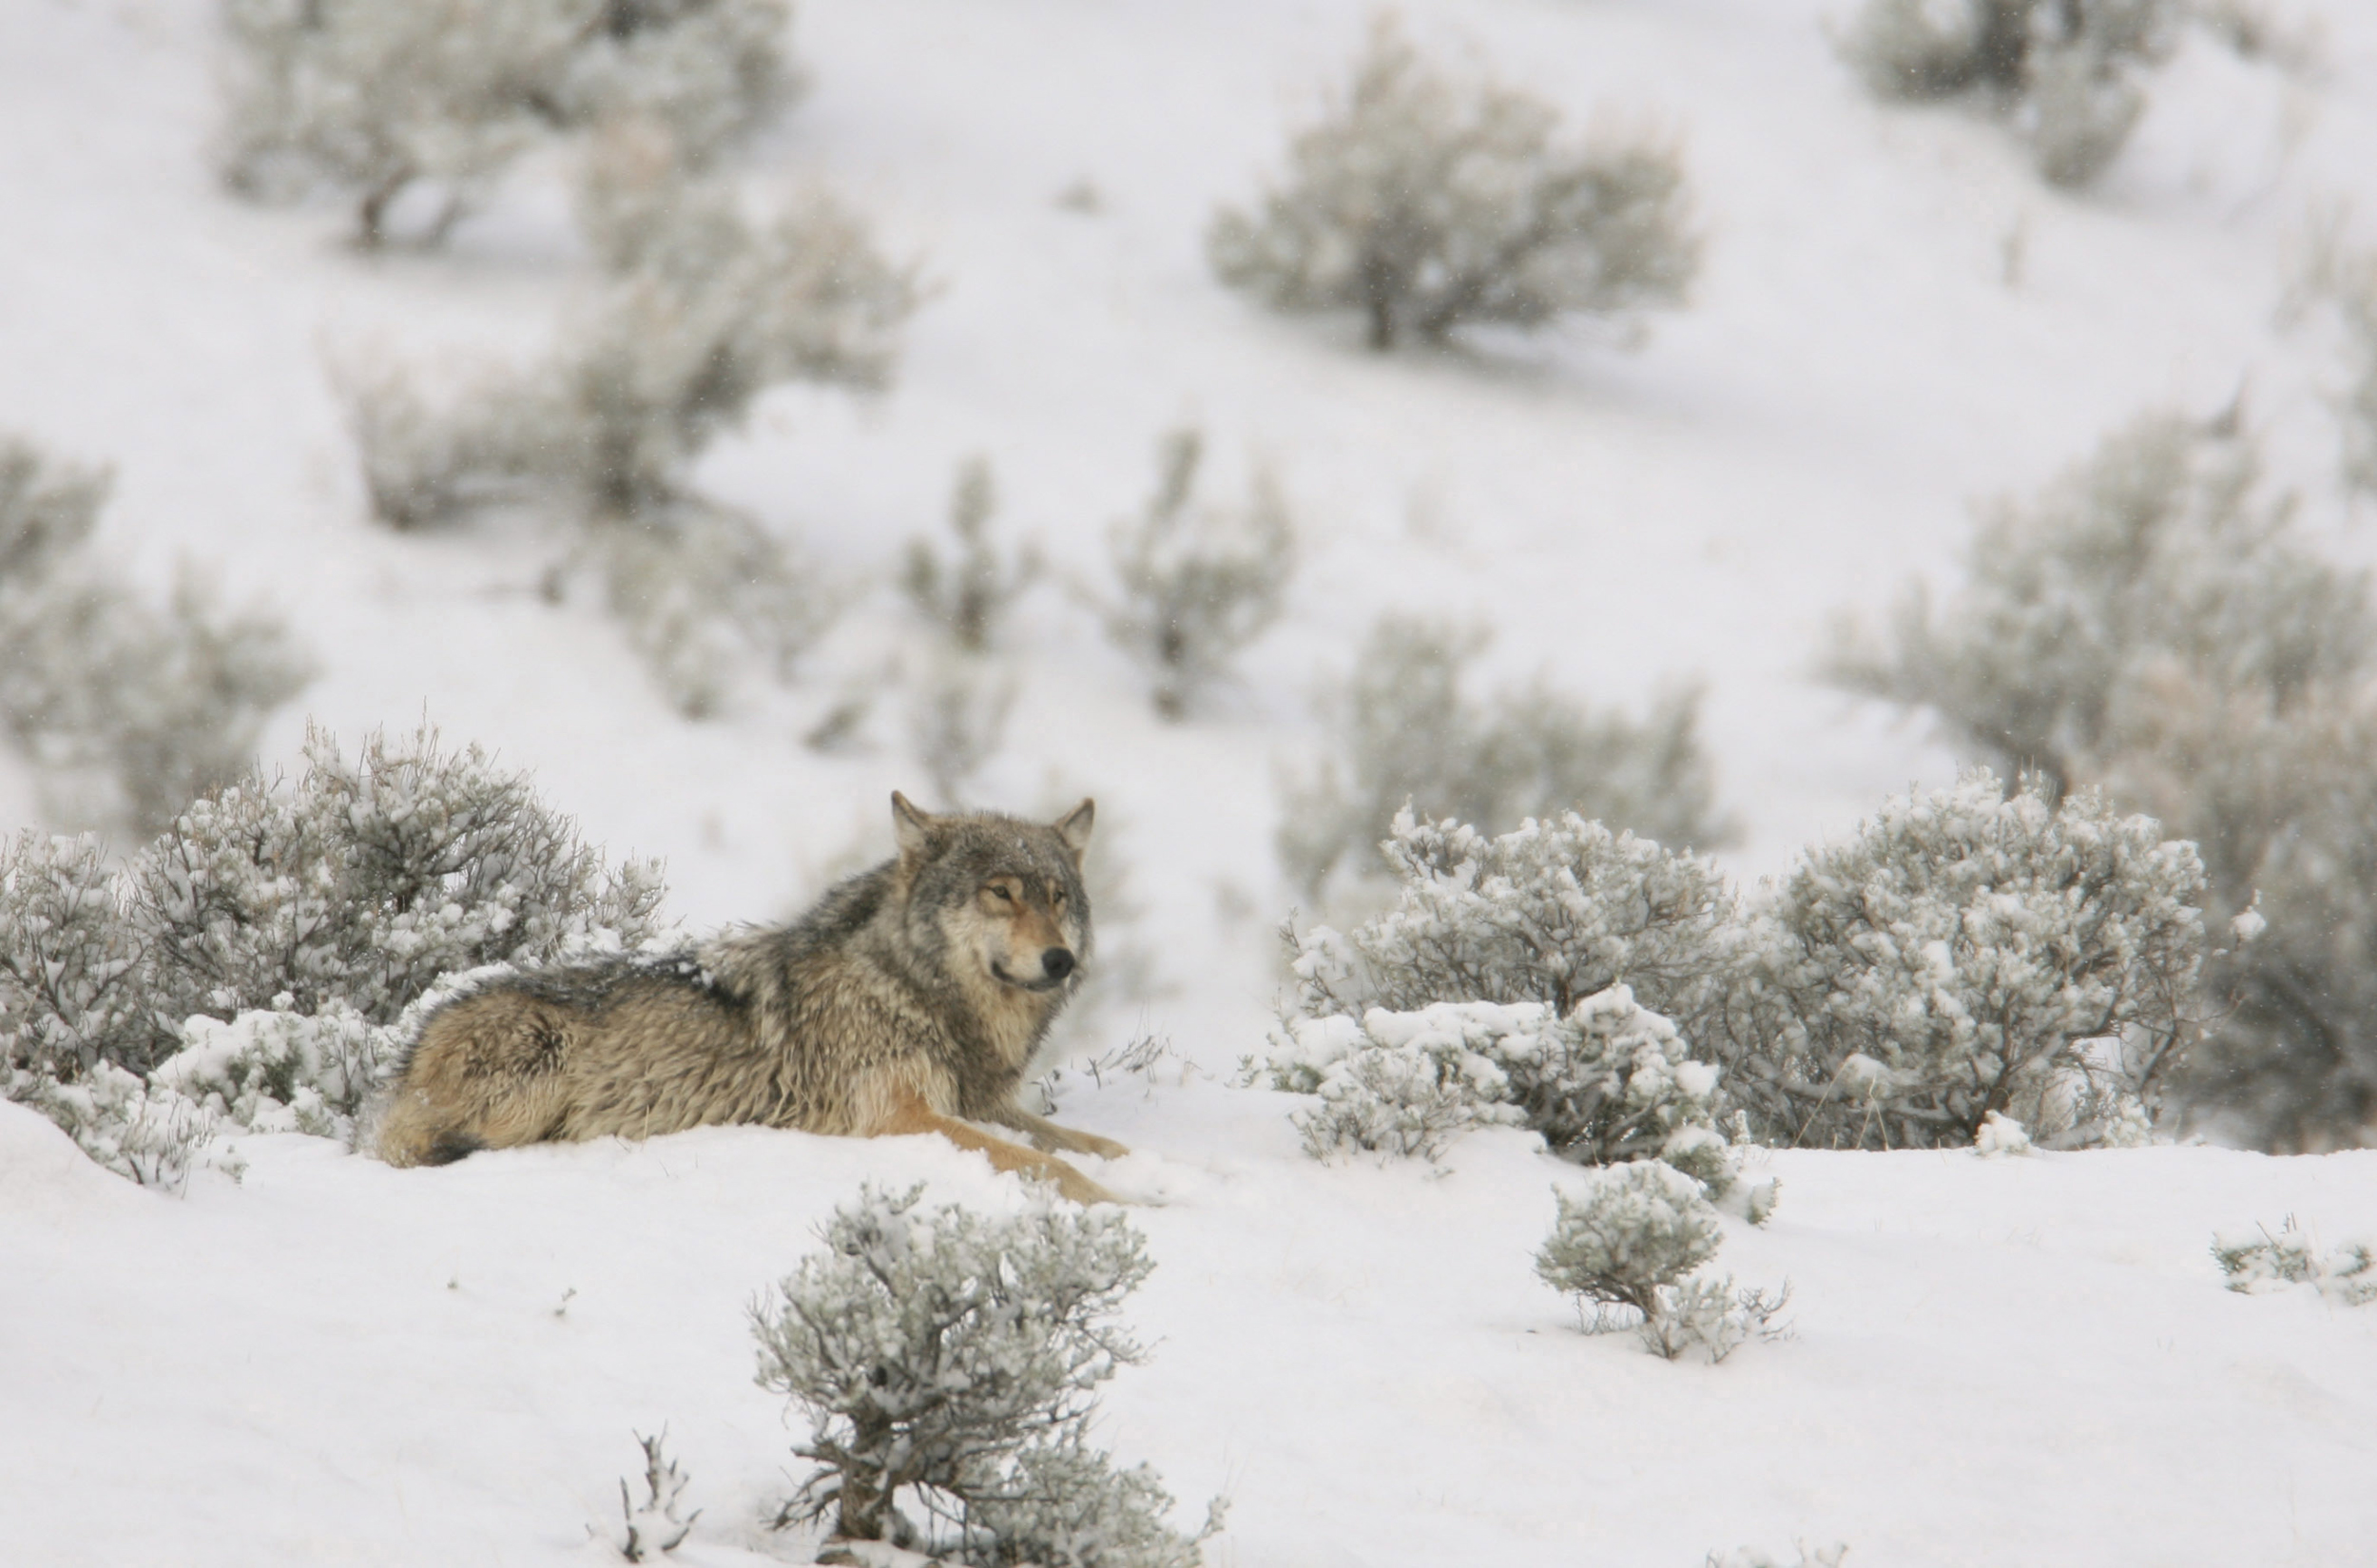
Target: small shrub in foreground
[
  {"x": 1628, "y": 1240},
  {"x": 654, "y": 1525},
  {"x": 948, "y": 1361}
]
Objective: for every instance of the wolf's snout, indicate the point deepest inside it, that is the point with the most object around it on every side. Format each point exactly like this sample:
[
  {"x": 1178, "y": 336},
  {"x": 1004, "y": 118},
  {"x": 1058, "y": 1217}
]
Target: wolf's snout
[{"x": 1056, "y": 962}]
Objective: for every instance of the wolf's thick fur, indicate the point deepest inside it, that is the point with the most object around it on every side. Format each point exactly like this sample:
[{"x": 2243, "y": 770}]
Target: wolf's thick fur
[{"x": 908, "y": 1000}]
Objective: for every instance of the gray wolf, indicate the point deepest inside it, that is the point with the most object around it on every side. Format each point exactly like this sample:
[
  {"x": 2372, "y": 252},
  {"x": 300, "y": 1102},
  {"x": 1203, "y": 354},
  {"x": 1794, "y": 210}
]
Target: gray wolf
[{"x": 907, "y": 1000}]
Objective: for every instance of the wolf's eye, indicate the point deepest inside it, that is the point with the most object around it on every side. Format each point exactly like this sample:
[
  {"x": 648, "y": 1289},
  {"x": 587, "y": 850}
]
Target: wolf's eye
[
  {"x": 1057, "y": 899},
  {"x": 1000, "y": 889}
]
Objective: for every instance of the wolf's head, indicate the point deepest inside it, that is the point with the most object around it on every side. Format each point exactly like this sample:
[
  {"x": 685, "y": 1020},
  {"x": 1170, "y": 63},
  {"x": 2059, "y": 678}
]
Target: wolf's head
[{"x": 997, "y": 897}]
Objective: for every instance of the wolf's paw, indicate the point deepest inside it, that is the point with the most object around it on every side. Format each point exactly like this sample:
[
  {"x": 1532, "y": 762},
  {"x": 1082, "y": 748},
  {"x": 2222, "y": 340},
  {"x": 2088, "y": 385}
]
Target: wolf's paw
[{"x": 1105, "y": 1149}]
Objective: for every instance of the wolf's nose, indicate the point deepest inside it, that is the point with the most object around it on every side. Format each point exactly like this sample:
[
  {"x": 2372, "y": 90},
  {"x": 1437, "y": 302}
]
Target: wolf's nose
[{"x": 1056, "y": 962}]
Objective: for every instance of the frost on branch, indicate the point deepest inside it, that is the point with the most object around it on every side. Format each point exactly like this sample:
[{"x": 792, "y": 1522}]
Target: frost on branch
[
  {"x": 948, "y": 1361},
  {"x": 1195, "y": 583},
  {"x": 1407, "y": 732},
  {"x": 1426, "y": 202},
  {"x": 1966, "y": 954}
]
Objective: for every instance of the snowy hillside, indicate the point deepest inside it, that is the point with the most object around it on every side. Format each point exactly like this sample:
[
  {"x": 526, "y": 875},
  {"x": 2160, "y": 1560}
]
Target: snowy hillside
[{"x": 2019, "y": 1361}]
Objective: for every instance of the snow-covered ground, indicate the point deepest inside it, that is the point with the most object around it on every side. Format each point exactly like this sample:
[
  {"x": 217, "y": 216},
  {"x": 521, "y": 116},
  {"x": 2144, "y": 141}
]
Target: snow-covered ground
[
  {"x": 2008, "y": 1362},
  {"x": 2003, "y": 1363}
]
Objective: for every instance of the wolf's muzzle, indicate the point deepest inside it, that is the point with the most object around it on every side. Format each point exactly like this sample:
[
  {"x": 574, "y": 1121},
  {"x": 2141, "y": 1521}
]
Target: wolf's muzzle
[{"x": 1055, "y": 964}]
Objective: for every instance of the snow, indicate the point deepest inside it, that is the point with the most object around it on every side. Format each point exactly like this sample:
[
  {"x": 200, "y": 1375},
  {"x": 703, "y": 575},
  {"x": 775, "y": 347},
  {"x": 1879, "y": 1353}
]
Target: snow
[{"x": 2017, "y": 1361}]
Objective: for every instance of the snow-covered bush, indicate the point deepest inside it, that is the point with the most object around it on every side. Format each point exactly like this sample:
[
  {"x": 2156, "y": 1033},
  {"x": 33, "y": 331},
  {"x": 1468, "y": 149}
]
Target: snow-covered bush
[
  {"x": 254, "y": 963},
  {"x": 145, "y": 1131},
  {"x": 1631, "y": 1239},
  {"x": 70, "y": 989},
  {"x": 1194, "y": 583},
  {"x": 1405, "y": 1099},
  {"x": 377, "y": 99},
  {"x": 2063, "y": 69},
  {"x": 1426, "y": 202},
  {"x": 1629, "y": 1230},
  {"x": 1406, "y": 732},
  {"x": 949, "y": 1359},
  {"x": 2000, "y": 1134},
  {"x": 970, "y": 592},
  {"x": 1964, "y": 953},
  {"x": 1611, "y": 1081},
  {"x": 282, "y": 1070},
  {"x": 128, "y": 710},
  {"x": 2153, "y": 626},
  {"x": 2259, "y": 1261},
  {"x": 1553, "y": 911}
]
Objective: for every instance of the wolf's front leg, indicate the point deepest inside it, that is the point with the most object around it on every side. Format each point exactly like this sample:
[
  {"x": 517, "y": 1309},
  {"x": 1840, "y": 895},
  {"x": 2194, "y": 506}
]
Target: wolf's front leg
[
  {"x": 1047, "y": 1135},
  {"x": 910, "y": 1113}
]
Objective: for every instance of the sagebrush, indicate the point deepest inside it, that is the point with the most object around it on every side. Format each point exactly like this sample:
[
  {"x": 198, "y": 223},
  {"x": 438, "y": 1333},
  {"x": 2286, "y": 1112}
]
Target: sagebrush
[
  {"x": 377, "y": 101},
  {"x": 947, "y": 1362},
  {"x": 1194, "y": 583},
  {"x": 2064, "y": 71},
  {"x": 1426, "y": 202},
  {"x": 1968, "y": 952},
  {"x": 2155, "y": 625},
  {"x": 1631, "y": 1237},
  {"x": 255, "y": 962},
  {"x": 970, "y": 591},
  {"x": 2262, "y": 1260},
  {"x": 703, "y": 305}
]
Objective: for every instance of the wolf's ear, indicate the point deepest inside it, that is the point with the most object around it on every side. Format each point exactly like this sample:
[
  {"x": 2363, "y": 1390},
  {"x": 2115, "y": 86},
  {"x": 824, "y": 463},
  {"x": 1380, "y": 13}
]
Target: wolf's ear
[
  {"x": 1073, "y": 828},
  {"x": 914, "y": 827}
]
